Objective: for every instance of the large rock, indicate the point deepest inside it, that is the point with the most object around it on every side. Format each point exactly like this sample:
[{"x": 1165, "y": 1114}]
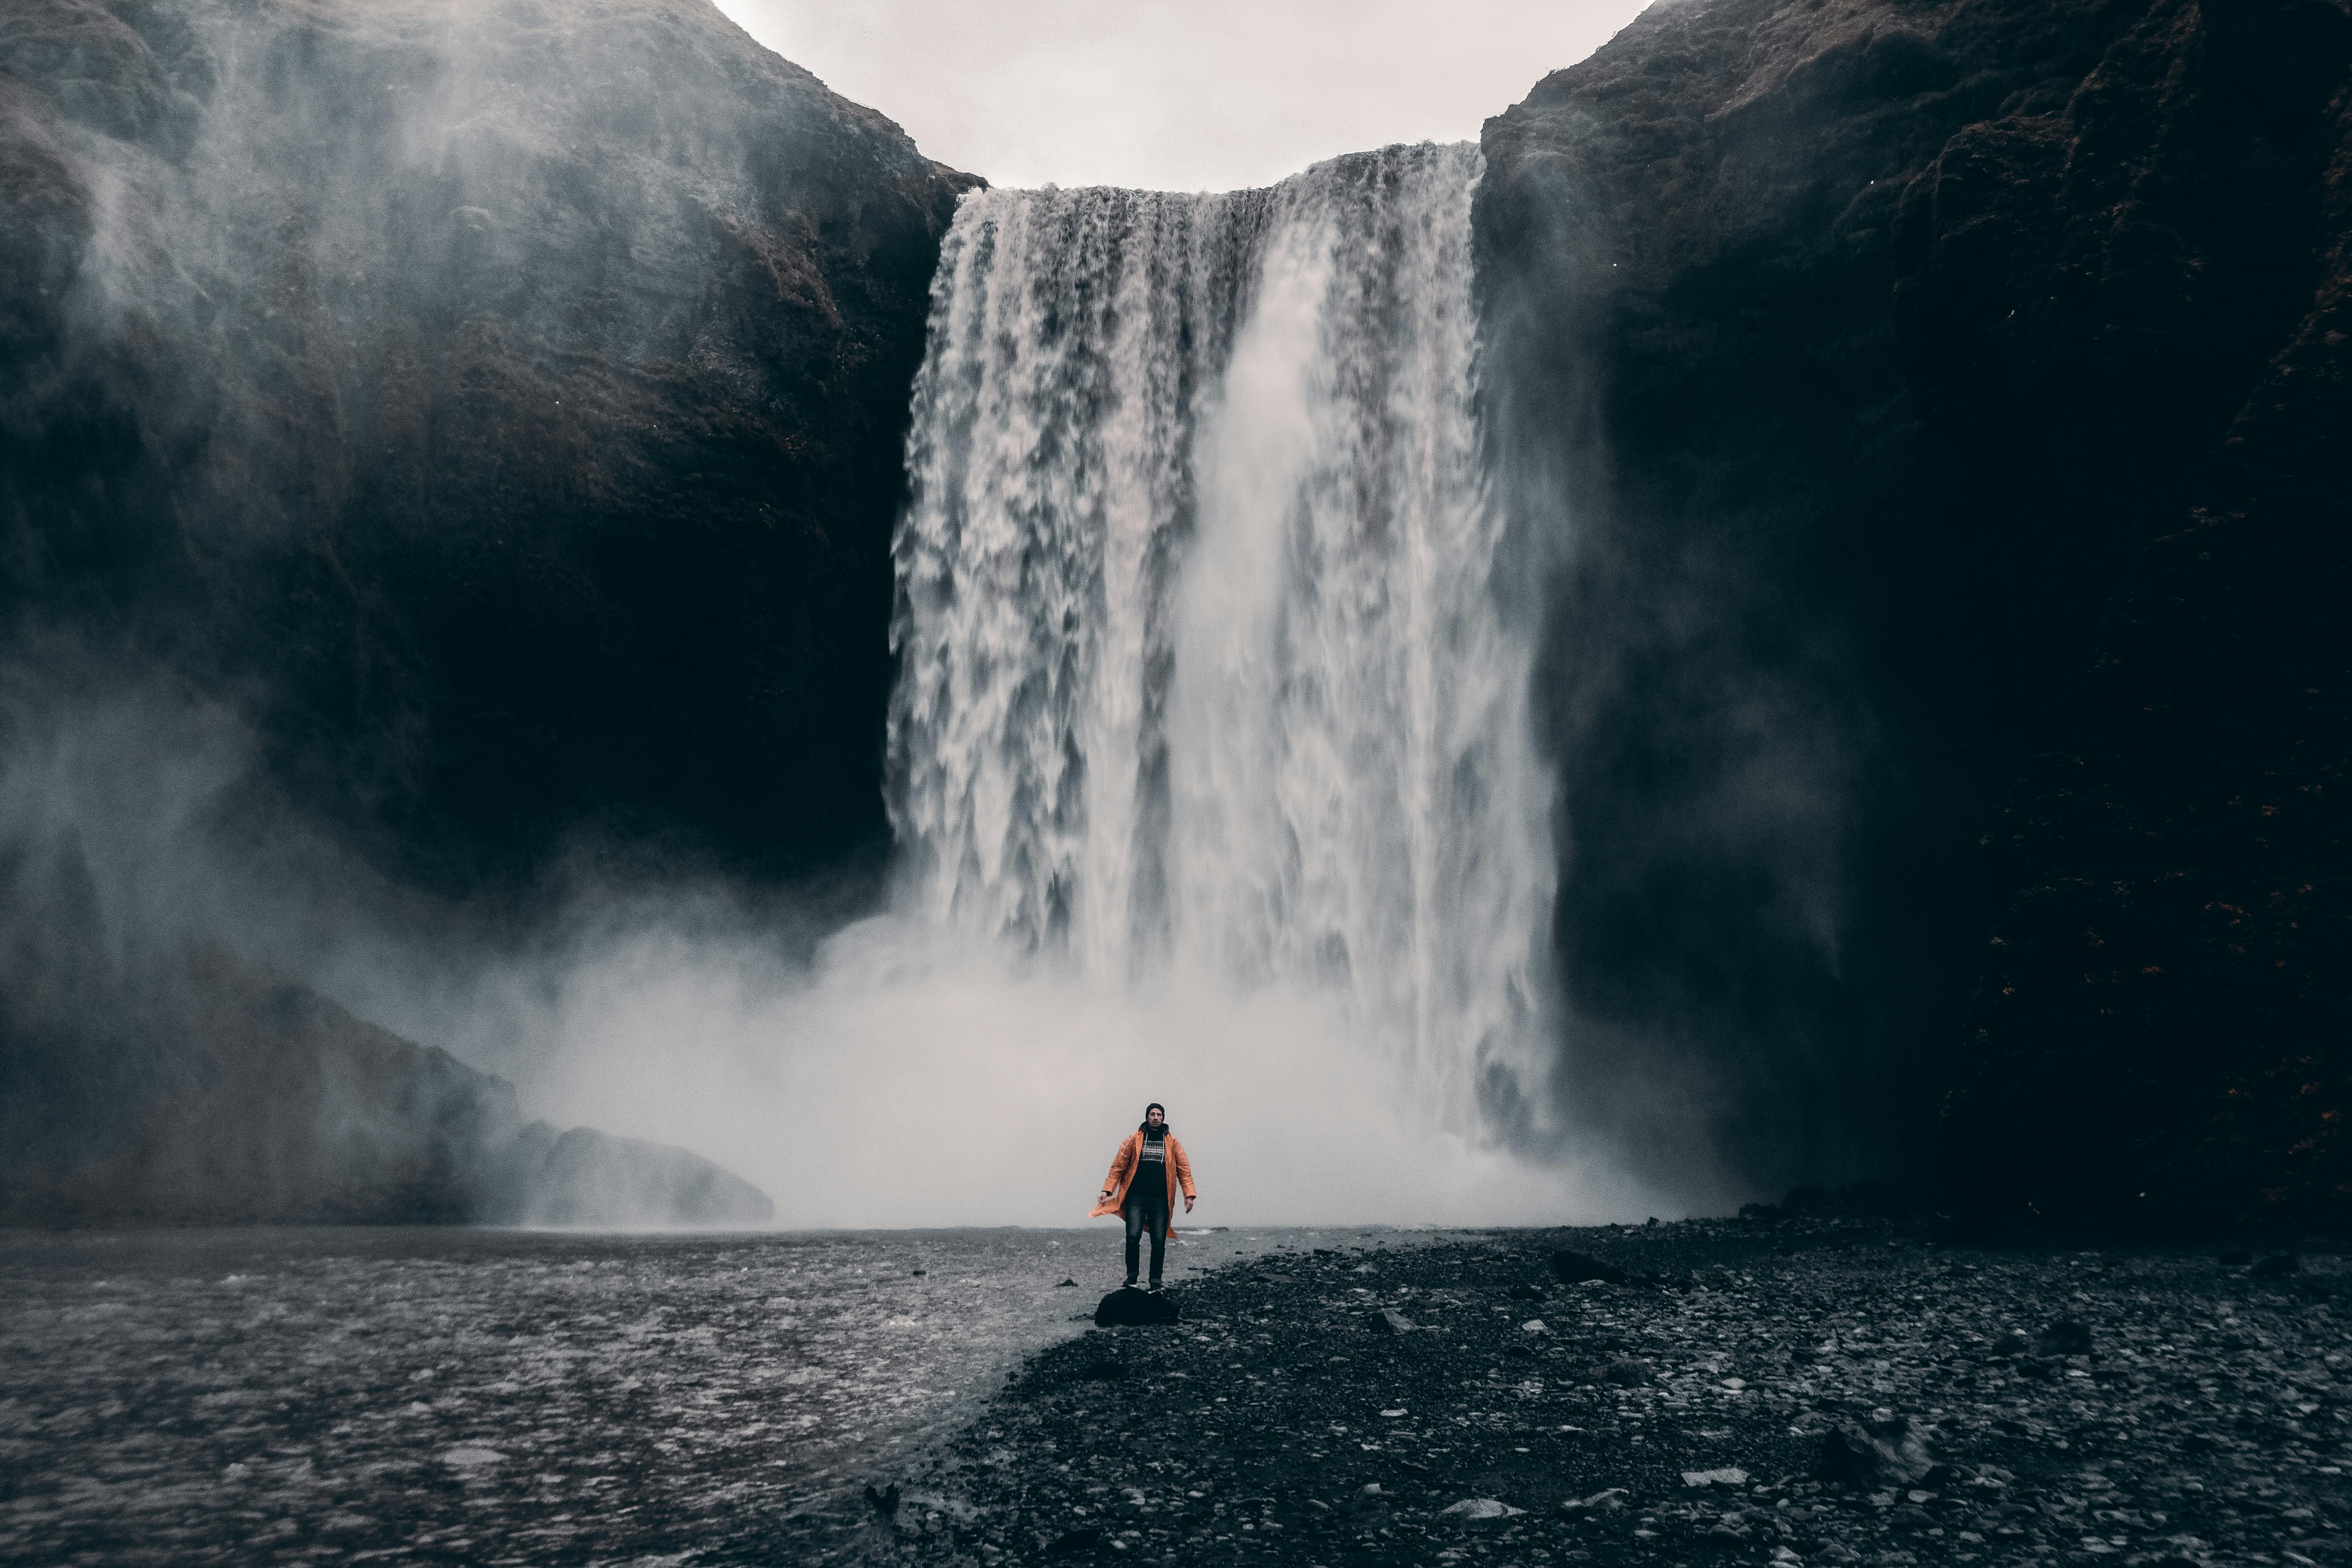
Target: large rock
[
  {"x": 1936, "y": 414},
  {"x": 501, "y": 406},
  {"x": 1887, "y": 1452},
  {"x": 541, "y": 1175},
  {"x": 1135, "y": 1308},
  {"x": 193, "y": 1089}
]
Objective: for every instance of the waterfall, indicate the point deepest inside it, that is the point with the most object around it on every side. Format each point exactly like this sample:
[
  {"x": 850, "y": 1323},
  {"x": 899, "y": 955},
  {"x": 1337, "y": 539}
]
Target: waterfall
[{"x": 1203, "y": 669}]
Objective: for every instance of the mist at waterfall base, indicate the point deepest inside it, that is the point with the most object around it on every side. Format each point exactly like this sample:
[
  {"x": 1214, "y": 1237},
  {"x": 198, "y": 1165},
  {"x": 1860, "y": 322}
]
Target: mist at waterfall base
[
  {"x": 910, "y": 1077},
  {"x": 1210, "y": 763}
]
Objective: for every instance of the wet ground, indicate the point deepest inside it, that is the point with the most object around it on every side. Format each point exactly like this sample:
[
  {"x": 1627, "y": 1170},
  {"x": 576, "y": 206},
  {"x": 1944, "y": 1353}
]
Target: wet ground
[
  {"x": 1817, "y": 1392},
  {"x": 445, "y": 1395}
]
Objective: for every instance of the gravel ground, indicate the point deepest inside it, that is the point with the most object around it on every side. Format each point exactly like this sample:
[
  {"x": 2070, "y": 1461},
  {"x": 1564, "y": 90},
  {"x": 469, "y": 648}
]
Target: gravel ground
[{"x": 1859, "y": 1393}]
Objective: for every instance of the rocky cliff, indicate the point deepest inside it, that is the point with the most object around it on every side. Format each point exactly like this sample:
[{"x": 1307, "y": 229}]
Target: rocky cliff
[
  {"x": 1940, "y": 409},
  {"x": 188, "y": 1088},
  {"x": 490, "y": 418},
  {"x": 501, "y": 404}
]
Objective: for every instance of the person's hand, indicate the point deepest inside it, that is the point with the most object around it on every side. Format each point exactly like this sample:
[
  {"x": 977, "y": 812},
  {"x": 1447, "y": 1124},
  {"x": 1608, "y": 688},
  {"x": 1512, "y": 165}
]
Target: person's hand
[
  {"x": 1104, "y": 1194},
  {"x": 1188, "y": 1205}
]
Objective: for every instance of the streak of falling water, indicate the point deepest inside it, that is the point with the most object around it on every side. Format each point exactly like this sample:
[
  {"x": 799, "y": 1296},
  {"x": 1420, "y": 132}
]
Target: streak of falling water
[{"x": 1203, "y": 670}]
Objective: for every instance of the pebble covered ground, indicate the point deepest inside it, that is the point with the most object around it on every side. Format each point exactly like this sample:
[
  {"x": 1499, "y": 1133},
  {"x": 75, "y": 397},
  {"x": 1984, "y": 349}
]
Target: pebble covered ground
[{"x": 1801, "y": 1390}]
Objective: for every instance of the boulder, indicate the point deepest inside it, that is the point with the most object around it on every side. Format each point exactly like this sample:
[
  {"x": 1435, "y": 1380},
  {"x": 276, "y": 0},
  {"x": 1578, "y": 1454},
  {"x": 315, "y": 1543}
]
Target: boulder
[
  {"x": 1479, "y": 1507},
  {"x": 1126, "y": 1308},
  {"x": 584, "y": 1177},
  {"x": 1730, "y": 1476},
  {"x": 1577, "y": 1267},
  {"x": 1883, "y": 1453},
  {"x": 2064, "y": 1337}
]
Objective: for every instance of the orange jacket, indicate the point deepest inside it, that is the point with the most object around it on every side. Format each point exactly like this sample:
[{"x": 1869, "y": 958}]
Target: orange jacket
[{"x": 1122, "y": 1171}]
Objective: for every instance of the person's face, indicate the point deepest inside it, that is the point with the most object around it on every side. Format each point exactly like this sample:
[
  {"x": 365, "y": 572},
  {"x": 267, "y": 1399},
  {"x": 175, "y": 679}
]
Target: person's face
[{"x": 1154, "y": 1116}]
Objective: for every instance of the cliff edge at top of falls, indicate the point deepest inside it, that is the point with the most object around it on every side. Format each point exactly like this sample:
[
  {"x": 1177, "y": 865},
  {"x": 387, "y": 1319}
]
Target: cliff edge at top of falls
[
  {"x": 1945, "y": 401},
  {"x": 500, "y": 406}
]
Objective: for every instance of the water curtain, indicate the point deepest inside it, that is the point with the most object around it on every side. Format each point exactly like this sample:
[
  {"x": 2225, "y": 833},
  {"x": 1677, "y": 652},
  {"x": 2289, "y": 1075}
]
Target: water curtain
[{"x": 1202, "y": 668}]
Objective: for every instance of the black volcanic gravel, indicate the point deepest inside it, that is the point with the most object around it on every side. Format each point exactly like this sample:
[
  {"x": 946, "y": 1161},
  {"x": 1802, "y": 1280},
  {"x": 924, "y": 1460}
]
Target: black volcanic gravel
[{"x": 2155, "y": 1408}]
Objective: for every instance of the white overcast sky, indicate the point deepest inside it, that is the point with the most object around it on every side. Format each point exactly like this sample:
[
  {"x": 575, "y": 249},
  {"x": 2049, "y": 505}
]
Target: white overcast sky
[{"x": 1198, "y": 95}]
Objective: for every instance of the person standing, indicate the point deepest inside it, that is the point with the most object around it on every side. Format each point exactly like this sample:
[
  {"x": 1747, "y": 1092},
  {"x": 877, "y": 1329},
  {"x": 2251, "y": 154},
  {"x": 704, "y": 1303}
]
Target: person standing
[{"x": 1144, "y": 1177}]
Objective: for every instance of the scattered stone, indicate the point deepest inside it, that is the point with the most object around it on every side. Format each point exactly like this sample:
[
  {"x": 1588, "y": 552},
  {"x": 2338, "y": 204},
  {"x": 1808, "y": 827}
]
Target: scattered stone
[
  {"x": 2064, "y": 1337},
  {"x": 1480, "y": 1508},
  {"x": 1135, "y": 1310},
  {"x": 1065, "y": 1283},
  {"x": 1729, "y": 1476},
  {"x": 1070, "y": 1542},
  {"x": 884, "y": 1501},
  {"x": 1389, "y": 1320},
  {"x": 1274, "y": 1396},
  {"x": 1526, "y": 1293},
  {"x": 467, "y": 1456}
]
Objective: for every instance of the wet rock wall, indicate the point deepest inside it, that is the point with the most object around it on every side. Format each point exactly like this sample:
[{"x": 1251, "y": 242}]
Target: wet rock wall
[
  {"x": 502, "y": 406},
  {"x": 1933, "y": 412}
]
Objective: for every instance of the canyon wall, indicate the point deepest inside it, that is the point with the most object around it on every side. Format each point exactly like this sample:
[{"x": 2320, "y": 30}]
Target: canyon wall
[
  {"x": 1929, "y": 415},
  {"x": 1939, "y": 411},
  {"x": 502, "y": 405},
  {"x": 483, "y": 425}
]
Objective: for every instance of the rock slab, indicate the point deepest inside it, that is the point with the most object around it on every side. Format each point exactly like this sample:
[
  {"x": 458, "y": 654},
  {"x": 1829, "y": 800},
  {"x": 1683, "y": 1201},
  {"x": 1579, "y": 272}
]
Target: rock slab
[{"x": 1136, "y": 1310}]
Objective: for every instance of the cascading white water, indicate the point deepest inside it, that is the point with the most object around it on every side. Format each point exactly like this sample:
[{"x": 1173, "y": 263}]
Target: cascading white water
[
  {"x": 1209, "y": 761},
  {"x": 1203, "y": 668}
]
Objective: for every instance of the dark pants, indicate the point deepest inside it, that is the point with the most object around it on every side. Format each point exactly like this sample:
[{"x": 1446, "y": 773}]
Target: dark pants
[{"x": 1147, "y": 1210}]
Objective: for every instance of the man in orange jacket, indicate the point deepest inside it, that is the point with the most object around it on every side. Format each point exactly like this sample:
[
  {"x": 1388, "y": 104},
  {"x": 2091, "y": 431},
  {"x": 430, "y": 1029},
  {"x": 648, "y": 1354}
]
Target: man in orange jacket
[{"x": 1144, "y": 1177}]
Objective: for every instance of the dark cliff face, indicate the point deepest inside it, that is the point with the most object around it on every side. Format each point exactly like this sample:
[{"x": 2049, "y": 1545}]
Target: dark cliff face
[
  {"x": 1938, "y": 412},
  {"x": 187, "y": 1087},
  {"x": 503, "y": 406},
  {"x": 435, "y": 440}
]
